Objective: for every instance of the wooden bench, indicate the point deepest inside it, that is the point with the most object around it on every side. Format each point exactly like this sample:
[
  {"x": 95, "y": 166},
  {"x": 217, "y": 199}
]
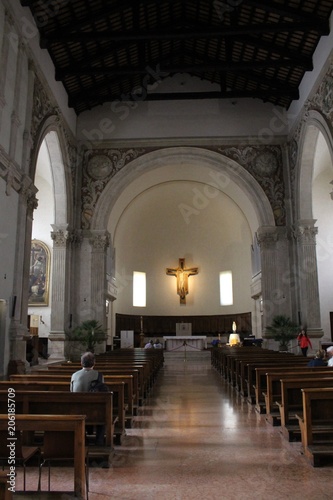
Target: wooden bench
[
  {"x": 260, "y": 388},
  {"x": 64, "y": 423},
  {"x": 316, "y": 424},
  {"x": 249, "y": 380},
  {"x": 97, "y": 407},
  {"x": 5, "y": 493},
  {"x": 117, "y": 389},
  {"x": 137, "y": 387},
  {"x": 273, "y": 392},
  {"x": 108, "y": 379},
  {"x": 291, "y": 401},
  {"x": 121, "y": 366}
]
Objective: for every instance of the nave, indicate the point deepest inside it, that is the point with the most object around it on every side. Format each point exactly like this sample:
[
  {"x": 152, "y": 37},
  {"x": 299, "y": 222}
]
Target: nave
[{"x": 195, "y": 438}]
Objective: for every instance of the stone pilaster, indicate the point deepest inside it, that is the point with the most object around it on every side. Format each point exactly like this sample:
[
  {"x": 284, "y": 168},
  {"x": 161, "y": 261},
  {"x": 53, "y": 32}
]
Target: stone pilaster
[
  {"x": 267, "y": 238},
  {"x": 18, "y": 326},
  {"x": 4, "y": 56},
  {"x": 27, "y": 139},
  {"x": 15, "y": 119},
  {"x": 99, "y": 241},
  {"x": 307, "y": 276}
]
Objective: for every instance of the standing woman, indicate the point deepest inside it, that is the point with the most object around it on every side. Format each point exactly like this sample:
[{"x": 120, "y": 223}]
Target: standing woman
[{"x": 304, "y": 342}]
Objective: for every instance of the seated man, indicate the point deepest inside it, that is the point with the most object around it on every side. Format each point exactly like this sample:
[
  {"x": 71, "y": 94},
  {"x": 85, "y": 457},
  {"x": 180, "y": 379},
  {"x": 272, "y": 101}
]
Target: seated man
[
  {"x": 81, "y": 382},
  {"x": 157, "y": 344},
  {"x": 318, "y": 360},
  {"x": 329, "y": 352}
]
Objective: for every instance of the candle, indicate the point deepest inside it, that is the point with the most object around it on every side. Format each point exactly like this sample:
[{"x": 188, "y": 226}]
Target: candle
[{"x": 234, "y": 326}]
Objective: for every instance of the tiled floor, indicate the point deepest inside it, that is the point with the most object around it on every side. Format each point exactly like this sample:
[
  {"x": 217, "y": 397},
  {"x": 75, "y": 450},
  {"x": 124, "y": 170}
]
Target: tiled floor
[{"x": 195, "y": 439}]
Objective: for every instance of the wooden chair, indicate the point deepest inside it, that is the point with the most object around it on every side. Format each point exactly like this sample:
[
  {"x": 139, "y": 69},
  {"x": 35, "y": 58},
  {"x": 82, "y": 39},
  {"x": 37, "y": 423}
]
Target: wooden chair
[
  {"x": 21, "y": 452},
  {"x": 59, "y": 447}
]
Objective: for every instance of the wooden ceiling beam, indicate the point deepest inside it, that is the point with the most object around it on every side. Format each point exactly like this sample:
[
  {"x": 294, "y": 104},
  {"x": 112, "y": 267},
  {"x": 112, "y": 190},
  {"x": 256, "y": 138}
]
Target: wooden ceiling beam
[
  {"x": 46, "y": 41},
  {"x": 199, "y": 68}
]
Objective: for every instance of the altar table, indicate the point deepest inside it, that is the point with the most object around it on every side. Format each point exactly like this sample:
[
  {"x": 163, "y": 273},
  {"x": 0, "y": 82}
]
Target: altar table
[{"x": 190, "y": 343}]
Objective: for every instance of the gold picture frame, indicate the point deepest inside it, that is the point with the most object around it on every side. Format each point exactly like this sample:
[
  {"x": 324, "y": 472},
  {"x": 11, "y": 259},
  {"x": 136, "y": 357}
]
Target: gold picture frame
[{"x": 39, "y": 276}]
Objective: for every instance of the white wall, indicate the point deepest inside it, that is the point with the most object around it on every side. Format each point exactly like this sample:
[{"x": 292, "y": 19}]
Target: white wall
[
  {"x": 323, "y": 212},
  {"x": 152, "y": 234}
]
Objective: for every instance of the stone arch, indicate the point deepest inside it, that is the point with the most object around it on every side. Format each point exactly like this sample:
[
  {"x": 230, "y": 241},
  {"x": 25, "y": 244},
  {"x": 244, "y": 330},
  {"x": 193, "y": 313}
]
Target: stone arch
[
  {"x": 227, "y": 175},
  {"x": 314, "y": 124},
  {"x": 50, "y": 131}
]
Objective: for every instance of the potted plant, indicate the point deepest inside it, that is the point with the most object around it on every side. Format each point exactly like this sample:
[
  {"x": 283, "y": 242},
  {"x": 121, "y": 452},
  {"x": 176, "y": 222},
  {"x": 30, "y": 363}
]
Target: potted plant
[
  {"x": 283, "y": 330},
  {"x": 85, "y": 336}
]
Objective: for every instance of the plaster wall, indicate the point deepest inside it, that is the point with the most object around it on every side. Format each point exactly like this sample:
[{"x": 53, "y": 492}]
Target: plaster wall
[
  {"x": 8, "y": 206},
  {"x": 216, "y": 238}
]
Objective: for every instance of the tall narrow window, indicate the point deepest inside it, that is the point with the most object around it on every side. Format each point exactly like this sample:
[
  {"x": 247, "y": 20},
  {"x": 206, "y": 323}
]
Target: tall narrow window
[
  {"x": 139, "y": 289},
  {"x": 226, "y": 294}
]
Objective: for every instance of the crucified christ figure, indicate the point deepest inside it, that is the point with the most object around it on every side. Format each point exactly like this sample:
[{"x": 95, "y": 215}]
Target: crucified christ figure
[{"x": 182, "y": 273}]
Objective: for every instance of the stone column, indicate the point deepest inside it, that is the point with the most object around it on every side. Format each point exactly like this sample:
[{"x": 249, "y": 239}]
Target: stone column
[
  {"x": 307, "y": 276},
  {"x": 59, "y": 311},
  {"x": 27, "y": 139},
  {"x": 18, "y": 326},
  {"x": 99, "y": 241},
  {"x": 4, "y": 61},
  {"x": 267, "y": 238},
  {"x": 15, "y": 119}
]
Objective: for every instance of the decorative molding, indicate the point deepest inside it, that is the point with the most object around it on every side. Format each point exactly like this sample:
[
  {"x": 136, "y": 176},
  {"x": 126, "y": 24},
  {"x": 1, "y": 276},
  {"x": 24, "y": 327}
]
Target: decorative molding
[
  {"x": 267, "y": 237},
  {"x": 263, "y": 162},
  {"x": 305, "y": 231},
  {"x": 59, "y": 237},
  {"x": 99, "y": 167},
  {"x": 99, "y": 240}
]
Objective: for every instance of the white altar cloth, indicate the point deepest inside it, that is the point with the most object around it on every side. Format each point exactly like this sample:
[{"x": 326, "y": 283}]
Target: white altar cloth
[{"x": 190, "y": 343}]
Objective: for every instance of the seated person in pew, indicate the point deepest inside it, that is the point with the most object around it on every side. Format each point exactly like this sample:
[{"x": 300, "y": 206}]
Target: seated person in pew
[
  {"x": 329, "y": 352},
  {"x": 318, "y": 360},
  {"x": 149, "y": 344},
  {"x": 157, "y": 344},
  {"x": 82, "y": 381}
]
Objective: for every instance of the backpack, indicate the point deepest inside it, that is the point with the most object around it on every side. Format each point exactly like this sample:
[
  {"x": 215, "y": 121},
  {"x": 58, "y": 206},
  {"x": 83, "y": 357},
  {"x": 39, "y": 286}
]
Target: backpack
[{"x": 98, "y": 385}]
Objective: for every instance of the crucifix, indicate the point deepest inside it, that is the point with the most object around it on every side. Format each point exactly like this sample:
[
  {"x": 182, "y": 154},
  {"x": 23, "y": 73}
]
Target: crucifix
[{"x": 182, "y": 273}]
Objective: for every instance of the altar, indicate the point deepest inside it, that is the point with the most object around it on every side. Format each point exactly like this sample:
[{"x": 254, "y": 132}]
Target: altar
[{"x": 190, "y": 343}]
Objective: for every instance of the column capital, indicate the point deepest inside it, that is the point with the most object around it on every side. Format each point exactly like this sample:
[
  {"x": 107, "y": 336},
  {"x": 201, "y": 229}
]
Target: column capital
[
  {"x": 267, "y": 236},
  {"x": 305, "y": 231},
  {"x": 60, "y": 235},
  {"x": 99, "y": 240}
]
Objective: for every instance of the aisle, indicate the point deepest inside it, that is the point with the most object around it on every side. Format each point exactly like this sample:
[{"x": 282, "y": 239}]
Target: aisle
[{"x": 196, "y": 439}]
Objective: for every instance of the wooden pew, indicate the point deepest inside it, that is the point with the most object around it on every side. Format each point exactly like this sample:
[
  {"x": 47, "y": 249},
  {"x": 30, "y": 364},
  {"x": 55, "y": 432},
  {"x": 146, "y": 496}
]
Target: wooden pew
[
  {"x": 108, "y": 379},
  {"x": 97, "y": 407},
  {"x": 137, "y": 388},
  {"x": 248, "y": 375},
  {"x": 5, "y": 493},
  {"x": 273, "y": 393},
  {"x": 117, "y": 389},
  {"x": 316, "y": 424},
  {"x": 291, "y": 401},
  {"x": 64, "y": 423},
  {"x": 144, "y": 376},
  {"x": 260, "y": 387}
]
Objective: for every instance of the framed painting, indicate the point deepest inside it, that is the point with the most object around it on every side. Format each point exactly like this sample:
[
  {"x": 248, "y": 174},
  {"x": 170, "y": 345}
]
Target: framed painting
[{"x": 39, "y": 274}]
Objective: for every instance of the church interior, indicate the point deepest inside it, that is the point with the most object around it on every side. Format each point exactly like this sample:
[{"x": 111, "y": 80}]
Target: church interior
[{"x": 166, "y": 175}]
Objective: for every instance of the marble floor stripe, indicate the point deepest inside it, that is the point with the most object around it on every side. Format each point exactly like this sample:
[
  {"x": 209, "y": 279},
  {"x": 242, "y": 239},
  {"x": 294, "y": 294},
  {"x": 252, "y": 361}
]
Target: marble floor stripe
[{"x": 197, "y": 439}]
